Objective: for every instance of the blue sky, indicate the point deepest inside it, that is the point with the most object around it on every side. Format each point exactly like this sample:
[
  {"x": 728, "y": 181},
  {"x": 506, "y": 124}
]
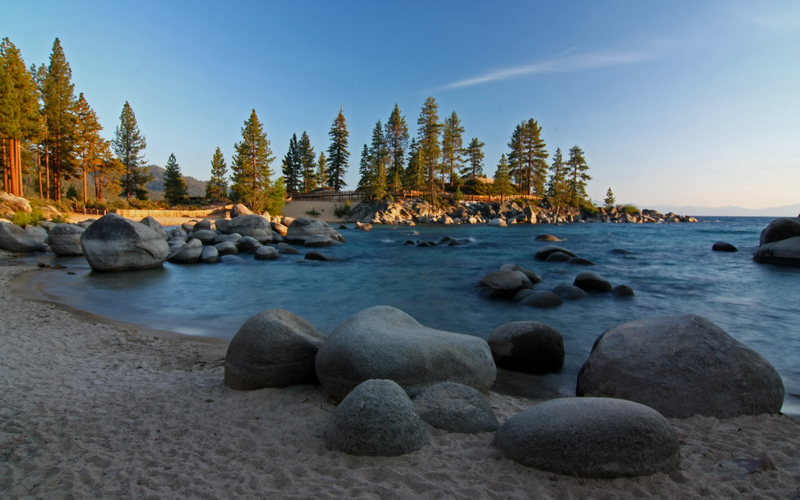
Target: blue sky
[{"x": 674, "y": 103}]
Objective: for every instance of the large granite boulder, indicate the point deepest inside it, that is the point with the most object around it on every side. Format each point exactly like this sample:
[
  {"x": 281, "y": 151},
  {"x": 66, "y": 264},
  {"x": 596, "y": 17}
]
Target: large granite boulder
[
  {"x": 266, "y": 253},
  {"x": 376, "y": 419},
  {"x": 504, "y": 284},
  {"x": 15, "y": 203},
  {"x": 681, "y": 366},
  {"x": 252, "y": 225},
  {"x": 303, "y": 227},
  {"x": 456, "y": 408},
  {"x": 532, "y": 275},
  {"x": 188, "y": 253},
  {"x": 542, "y": 299},
  {"x": 274, "y": 348},
  {"x": 545, "y": 252},
  {"x": 248, "y": 244},
  {"x": 591, "y": 437},
  {"x": 206, "y": 236},
  {"x": 114, "y": 243},
  {"x": 156, "y": 226},
  {"x": 226, "y": 248},
  {"x": 590, "y": 281},
  {"x": 527, "y": 346},
  {"x": 785, "y": 252},
  {"x": 65, "y": 239},
  {"x": 239, "y": 210},
  {"x": 384, "y": 342},
  {"x": 15, "y": 239},
  {"x": 780, "y": 229},
  {"x": 203, "y": 225},
  {"x": 38, "y": 233},
  {"x": 210, "y": 255}
]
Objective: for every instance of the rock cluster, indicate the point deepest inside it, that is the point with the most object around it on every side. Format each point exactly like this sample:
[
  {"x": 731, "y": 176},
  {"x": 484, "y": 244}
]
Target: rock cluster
[{"x": 496, "y": 213}]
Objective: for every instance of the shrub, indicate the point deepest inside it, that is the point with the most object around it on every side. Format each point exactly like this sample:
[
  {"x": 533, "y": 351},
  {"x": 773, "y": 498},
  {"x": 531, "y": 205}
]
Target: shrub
[
  {"x": 312, "y": 213},
  {"x": 342, "y": 210},
  {"x": 590, "y": 210},
  {"x": 458, "y": 195},
  {"x": 23, "y": 219},
  {"x": 630, "y": 209}
]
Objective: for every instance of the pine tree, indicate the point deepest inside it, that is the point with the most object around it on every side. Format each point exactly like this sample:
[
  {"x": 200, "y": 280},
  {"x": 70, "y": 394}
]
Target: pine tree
[
  {"x": 452, "y": 147},
  {"x": 577, "y": 177},
  {"x": 307, "y": 163},
  {"x": 397, "y": 142},
  {"x": 292, "y": 174},
  {"x": 378, "y": 159},
  {"x": 528, "y": 158},
  {"x": 108, "y": 174},
  {"x": 414, "y": 175},
  {"x": 217, "y": 187},
  {"x": 337, "y": 152},
  {"x": 557, "y": 185},
  {"x": 128, "y": 145},
  {"x": 610, "y": 201},
  {"x": 19, "y": 117},
  {"x": 429, "y": 150},
  {"x": 322, "y": 170},
  {"x": 364, "y": 172},
  {"x": 174, "y": 184},
  {"x": 474, "y": 164},
  {"x": 251, "y": 166},
  {"x": 501, "y": 178},
  {"x": 89, "y": 146},
  {"x": 59, "y": 111}
]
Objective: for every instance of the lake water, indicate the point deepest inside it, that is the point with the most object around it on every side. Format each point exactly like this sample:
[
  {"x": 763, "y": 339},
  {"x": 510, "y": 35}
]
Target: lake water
[{"x": 672, "y": 271}]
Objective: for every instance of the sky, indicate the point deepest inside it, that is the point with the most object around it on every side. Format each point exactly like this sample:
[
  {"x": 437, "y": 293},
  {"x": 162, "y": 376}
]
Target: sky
[{"x": 680, "y": 103}]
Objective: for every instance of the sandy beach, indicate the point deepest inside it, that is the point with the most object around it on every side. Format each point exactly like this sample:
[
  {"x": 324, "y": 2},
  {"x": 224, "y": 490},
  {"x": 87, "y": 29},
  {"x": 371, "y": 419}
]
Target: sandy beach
[{"x": 94, "y": 409}]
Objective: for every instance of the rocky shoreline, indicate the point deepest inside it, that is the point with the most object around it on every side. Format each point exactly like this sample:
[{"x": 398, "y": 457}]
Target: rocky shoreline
[{"x": 416, "y": 211}]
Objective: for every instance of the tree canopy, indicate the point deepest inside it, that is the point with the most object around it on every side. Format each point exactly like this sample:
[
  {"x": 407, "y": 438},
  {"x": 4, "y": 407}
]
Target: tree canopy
[
  {"x": 337, "y": 152},
  {"x": 129, "y": 144},
  {"x": 174, "y": 184},
  {"x": 251, "y": 166}
]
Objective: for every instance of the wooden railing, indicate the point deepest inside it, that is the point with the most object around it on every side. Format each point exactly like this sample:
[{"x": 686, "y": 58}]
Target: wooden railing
[
  {"x": 328, "y": 196},
  {"x": 135, "y": 214},
  {"x": 90, "y": 211}
]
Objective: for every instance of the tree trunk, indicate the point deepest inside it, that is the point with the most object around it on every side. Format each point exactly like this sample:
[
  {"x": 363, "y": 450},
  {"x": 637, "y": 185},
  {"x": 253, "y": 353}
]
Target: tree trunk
[
  {"x": 47, "y": 172},
  {"x": 5, "y": 168},
  {"x": 85, "y": 190},
  {"x": 39, "y": 169}
]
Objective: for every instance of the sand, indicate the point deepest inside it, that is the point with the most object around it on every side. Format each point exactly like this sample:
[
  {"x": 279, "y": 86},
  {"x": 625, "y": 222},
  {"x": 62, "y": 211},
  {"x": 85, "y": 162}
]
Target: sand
[{"x": 93, "y": 409}]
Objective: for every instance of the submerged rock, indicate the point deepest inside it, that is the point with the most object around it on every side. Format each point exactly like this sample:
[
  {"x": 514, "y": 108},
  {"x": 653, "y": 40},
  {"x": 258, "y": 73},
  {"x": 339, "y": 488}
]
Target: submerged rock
[
  {"x": 722, "y": 246},
  {"x": 590, "y": 281}
]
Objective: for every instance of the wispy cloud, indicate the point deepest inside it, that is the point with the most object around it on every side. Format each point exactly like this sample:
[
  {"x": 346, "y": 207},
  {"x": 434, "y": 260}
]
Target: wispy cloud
[{"x": 562, "y": 64}]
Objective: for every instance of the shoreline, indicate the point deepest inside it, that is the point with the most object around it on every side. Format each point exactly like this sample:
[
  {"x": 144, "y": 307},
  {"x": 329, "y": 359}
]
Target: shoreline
[{"x": 97, "y": 409}]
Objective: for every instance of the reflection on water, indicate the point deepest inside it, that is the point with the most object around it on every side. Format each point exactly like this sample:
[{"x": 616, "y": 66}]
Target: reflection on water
[{"x": 672, "y": 271}]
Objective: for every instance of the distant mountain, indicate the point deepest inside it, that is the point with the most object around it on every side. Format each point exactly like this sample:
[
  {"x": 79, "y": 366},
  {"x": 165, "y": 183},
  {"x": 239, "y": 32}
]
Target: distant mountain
[
  {"x": 731, "y": 211},
  {"x": 156, "y": 186}
]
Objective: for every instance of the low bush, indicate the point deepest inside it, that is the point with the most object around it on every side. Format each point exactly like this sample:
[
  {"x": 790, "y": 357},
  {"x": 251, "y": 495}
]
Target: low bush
[
  {"x": 630, "y": 209},
  {"x": 343, "y": 209}
]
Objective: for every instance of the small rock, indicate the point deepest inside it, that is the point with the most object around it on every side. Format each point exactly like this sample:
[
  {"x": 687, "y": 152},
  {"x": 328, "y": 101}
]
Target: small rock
[{"x": 456, "y": 408}]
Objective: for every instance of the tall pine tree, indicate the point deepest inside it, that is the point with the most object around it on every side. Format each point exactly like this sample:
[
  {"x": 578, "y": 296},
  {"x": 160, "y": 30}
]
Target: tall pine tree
[
  {"x": 397, "y": 142},
  {"x": 292, "y": 174},
  {"x": 251, "y": 166},
  {"x": 89, "y": 146},
  {"x": 59, "y": 110},
  {"x": 414, "y": 175},
  {"x": 322, "y": 170},
  {"x": 337, "y": 152},
  {"x": 378, "y": 159},
  {"x": 528, "y": 158},
  {"x": 129, "y": 144},
  {"x": 502, "y": 184},
  {"x": 217, "y": 187},
  {"x": 474, "y": 164},
  {"x": 430, "y": 153},
  {"x": 452, "y": 147},
  {"x": 577, "y": 176},
  {"x": 364, "y": 171},
  {"x": 557, "y": 185},
  {"x": 174, "y": 184},
  {"x": 610, "y": 201},
  {"x": 307, "y": 162}
]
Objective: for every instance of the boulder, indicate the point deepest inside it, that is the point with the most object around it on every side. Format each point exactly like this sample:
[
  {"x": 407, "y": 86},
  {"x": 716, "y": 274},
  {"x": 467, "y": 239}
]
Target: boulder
[
  {"x": 559, "y": 257},
  {"x": 504, "y": 284},
  {"x": 722, "y": 246},
  {"x": 50, "y": 212},
  {"x": 255, "y": 226},
  {"x": 780, "y": 229},
  {"x": 223, "y": 225},
  {"x": 15, "y": 239},
  {"x": 591, "y": 437},
  {"x": 533, "y": 276},
  {"x": 233, "y": 238},
  {"x": 280, "y": 229},
  {"x": 226, "y": 248},
  {"x": 188, "y": 226},
  {"x": 569, "y": 292},
  {"x": 785, "y": 252},
  {"x": 247, "y": 243},
  {"x": 209, "y": 255},
  {"x": 545, "y": 252},
  {"x": 384, "y": 342},
  {"x": 542, "y": 299},
  {"x": 203, "y": 225},
  {"x": 277, "y": 238},
  {"x": 287, "y": 249},
  {"x": 590, "y": 281},
  {"x": 188, "y": 253},
  {"x": 65, "y": 239},
  {"x": 266, "y": 253},
  {"x": 321, "y": 256},
  {"x": 681, "y": 366},
  {"x": 523, "y": 294},
  {"x": 206, "y": 236},
  {"x": 15, "y": 203},
  {"x": 274, "y": 348},
  {"x": 497, "y": 223},
  {"x": 456, "y": 408},
  {"x": 114, "y": 243},
  {"x": 580, "y": 261},
  {"x": 527, "y": 346},
  {"x": 320, "y": 240},
  {"x": 156, "y": 226},
  {"x": 38, "y": 233},
  {"x": 303, "y": 227},
  {"x": 622, "y": 291},
  {"x": 239, "y": 210},
  {"x": 376, "y": 419},
  {"x": 547, "y": 237}
]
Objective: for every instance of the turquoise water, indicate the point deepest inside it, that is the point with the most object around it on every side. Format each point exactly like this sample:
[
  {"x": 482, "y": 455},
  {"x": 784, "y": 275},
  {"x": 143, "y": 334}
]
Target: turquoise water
[{"x": 672, "y": 271}]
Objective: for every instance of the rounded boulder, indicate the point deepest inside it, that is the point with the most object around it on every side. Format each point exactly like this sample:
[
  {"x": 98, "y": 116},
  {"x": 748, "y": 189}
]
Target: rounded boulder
[
  {"x": 456, "y": 408},
  {"x": 65, "y": 239},
  {"x": 114, "y": 243},
  {"x": 527, "y": 346},
  {"x": 590, "y": 281}
]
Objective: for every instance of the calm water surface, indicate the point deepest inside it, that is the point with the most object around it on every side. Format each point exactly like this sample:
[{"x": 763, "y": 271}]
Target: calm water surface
[{"x": 672, "y": 271}]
